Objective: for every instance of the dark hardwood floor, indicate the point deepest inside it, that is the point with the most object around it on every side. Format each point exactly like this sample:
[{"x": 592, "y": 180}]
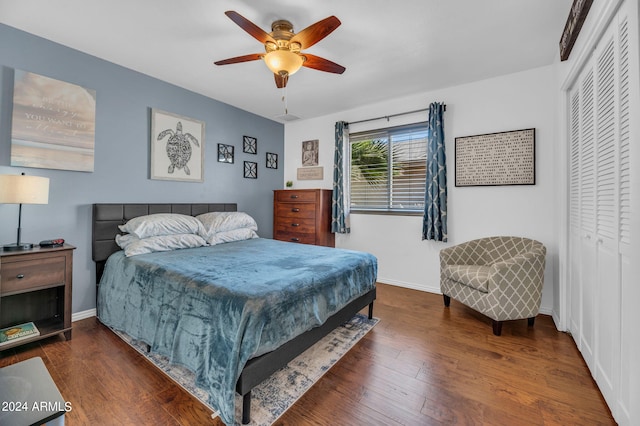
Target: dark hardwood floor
[{"x": 423, "y": 364}]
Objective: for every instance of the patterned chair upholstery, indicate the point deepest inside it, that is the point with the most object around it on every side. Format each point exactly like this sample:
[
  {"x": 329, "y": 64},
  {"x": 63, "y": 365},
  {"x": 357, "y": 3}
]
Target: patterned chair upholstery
[{"x": 500, "y": 277}]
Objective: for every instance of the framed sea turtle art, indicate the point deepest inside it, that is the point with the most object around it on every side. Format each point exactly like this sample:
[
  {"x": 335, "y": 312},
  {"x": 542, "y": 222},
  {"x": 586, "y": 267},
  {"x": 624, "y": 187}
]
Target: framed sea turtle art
[{"x": 177, "y": 147}]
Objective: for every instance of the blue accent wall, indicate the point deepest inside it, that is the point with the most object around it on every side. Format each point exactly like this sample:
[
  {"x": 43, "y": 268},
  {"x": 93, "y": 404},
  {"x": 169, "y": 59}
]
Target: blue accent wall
[{"x": 124, "y": 99}]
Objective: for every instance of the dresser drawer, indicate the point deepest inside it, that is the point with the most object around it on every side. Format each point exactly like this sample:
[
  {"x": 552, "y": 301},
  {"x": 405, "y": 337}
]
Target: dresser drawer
[
  {"x": 28, "y": 274},
  {"x": 294, "y": 237},
  {"x": 301, "y": 210},
  {"x": 296, "y": 225},
  {"x": 292, "y": 195}
]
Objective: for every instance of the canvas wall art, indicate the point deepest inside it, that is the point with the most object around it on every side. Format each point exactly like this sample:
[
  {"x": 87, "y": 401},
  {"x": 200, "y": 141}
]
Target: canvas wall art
[
  {"x": 310, "y": 153},
  {"x": 504, "y": 158},
  {"x": 177, "y": 147},
  {"x": 310, "y": 173},
  {"x": 53, "y": 124}
]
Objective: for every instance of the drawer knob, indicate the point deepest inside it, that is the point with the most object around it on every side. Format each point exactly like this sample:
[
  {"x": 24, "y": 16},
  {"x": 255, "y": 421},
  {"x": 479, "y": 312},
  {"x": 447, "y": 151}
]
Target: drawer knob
[
  {"x": 295, "y": 210},
  {"x": 294, "y": 196},
  {"x": 20, "y": 276},
  {"x": 295, "y": 240},
  {"x": 295, "y": 224}
]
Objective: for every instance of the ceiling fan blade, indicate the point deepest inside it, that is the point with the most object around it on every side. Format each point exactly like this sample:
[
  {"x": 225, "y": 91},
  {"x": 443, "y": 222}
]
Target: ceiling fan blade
[
  {"x": 238, "y": 59},
  {"x": 281, "y": 81},
  {"x": 254, "y": 30},
  {"x": 316, "y": 32},
  {"x": 321, "y": 64}
]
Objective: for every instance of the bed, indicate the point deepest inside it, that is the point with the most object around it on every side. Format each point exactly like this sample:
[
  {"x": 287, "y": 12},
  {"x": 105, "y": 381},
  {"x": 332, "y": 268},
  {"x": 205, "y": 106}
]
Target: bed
[{"x": 278, "y": 299}]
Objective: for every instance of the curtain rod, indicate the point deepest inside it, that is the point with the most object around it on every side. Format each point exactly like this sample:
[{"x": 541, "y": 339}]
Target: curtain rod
[{"x": 393, "y": 115}]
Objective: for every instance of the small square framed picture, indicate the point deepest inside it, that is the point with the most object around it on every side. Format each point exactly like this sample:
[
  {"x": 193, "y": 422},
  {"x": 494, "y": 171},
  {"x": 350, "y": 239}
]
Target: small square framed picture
[
  {"x": 249, "y": 145},
  {"x": 272, "y": 160},
  {"x": 225, "y": 153},
  {"x": 250, "y": 170}
]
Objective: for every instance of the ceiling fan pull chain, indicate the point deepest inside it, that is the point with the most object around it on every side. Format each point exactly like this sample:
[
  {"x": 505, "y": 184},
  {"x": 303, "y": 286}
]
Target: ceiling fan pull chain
[{"x": 284, "y": 99}]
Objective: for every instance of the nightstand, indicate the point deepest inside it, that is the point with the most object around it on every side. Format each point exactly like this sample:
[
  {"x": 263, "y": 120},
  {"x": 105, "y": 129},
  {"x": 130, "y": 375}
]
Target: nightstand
[{"x": 35, "y": 286}]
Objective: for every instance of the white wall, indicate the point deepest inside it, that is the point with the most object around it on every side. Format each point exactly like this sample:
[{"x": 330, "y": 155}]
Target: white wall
[{"x": 512, "y": 102}]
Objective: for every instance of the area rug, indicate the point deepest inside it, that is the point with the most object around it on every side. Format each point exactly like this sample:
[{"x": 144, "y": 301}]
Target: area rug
[{"x": 271, "y": 398}]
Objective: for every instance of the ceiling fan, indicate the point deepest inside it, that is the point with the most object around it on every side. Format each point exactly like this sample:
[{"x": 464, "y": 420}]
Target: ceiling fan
[{"x": 283, "y": 47}]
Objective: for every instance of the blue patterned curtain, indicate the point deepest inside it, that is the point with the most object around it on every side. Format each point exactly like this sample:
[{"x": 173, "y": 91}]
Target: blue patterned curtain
[
  {"x": 340, "y": 208},
  {"x": 434, "y": 223}
]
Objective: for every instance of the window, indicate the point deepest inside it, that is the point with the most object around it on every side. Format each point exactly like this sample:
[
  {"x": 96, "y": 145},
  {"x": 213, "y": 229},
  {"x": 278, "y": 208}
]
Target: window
[{"x": 388, "y": 169}]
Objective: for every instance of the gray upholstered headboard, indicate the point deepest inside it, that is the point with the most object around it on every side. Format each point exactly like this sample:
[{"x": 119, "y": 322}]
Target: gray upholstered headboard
[{"x": 107, "y": 217}]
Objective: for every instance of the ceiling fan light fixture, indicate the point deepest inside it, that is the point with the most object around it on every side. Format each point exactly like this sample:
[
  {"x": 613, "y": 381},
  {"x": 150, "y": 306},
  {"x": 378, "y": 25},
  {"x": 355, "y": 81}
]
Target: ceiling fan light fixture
[
  {"x": 283, "y": 61},
  {"x": 283, "y": 48}
]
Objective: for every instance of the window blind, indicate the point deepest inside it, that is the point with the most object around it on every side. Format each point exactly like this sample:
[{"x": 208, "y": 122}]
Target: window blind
[{"x": 388, "y": 168}]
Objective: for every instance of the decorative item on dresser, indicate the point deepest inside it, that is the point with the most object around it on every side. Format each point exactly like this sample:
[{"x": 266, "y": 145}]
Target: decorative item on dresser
[
  {"x": 35, "y": 286},
  {"x": 303, "y": 216}
]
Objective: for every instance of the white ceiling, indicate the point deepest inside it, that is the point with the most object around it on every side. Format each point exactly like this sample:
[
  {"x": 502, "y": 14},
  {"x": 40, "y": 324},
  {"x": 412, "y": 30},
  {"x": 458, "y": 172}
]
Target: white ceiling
[{"x": 389, "y": 48}]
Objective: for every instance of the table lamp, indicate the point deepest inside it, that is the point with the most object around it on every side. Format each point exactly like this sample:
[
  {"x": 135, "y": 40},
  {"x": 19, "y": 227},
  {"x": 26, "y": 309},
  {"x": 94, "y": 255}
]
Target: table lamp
[{"x": 22, "y": 189}]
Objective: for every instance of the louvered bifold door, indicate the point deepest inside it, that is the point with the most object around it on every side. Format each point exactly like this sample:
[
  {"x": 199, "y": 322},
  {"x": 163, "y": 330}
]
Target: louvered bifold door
[
  {"x": 606, "y": 194},
  {"x": 603, "y": 178},
  {"x": 575, "y": 289},
  {"x": 627, "y": 410},
  {"x": 587, "y": 216}
]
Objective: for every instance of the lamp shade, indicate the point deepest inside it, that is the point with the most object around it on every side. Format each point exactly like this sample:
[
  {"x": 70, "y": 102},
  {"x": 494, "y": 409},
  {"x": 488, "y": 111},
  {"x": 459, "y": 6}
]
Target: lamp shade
[
  {"x": 22, "y": 189},
  {"x": 283, "y": 61}
]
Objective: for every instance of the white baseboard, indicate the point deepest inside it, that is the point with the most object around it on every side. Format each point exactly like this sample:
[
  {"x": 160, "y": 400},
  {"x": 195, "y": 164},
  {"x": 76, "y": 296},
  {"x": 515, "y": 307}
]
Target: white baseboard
[
  {"x": 547, "y": 311},
  {"x": 556, "y": 319},
  {"x": 436, "y": 290},
  {"x": 413, "y": 286},
  {"x": 83, "y": 315}
]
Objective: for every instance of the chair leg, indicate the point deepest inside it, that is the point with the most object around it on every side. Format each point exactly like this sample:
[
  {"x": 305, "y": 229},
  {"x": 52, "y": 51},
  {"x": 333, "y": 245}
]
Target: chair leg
[
  {"x": 447, "y": 300},
  {"x": 497, "y": 327},
  {"x": 530, "y": 321}
]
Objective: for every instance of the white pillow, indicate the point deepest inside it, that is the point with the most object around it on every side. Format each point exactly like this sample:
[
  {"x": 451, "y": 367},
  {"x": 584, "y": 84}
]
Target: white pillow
[
  {"x": 125, "y": 240},
  {"x": 233, "y": 235},
  {"x": 215, "y": 222},
  {"x": 154, "y": 225},
  {"x": 133, "y": 245}
]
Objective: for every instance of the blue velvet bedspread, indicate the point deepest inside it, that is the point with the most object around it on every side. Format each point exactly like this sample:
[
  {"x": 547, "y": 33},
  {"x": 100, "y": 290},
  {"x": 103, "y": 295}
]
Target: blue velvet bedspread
[{"x": 211, "y": 309}]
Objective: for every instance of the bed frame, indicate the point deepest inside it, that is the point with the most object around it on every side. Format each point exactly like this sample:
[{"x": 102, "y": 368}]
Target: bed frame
[{"x": 107, "y": 217}]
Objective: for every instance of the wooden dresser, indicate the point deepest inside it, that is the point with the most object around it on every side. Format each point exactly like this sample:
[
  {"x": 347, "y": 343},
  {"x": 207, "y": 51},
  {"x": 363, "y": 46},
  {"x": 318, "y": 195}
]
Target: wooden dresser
[{"x": 303, "y": 216}]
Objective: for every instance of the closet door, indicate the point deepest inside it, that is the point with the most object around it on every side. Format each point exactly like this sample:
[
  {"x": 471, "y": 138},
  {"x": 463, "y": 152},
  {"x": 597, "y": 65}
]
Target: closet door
[
  {"x": 606, "y": 196},
  {"x": 628, "y": 409},
  {"x": 582, "y": 208},
  {"x": 604, "y": 223},
  {"x": 575, "y": 277}
]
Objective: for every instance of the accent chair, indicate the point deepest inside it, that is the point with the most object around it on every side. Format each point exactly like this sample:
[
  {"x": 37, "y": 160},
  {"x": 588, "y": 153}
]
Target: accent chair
[{"x": 500, "y": 277}]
